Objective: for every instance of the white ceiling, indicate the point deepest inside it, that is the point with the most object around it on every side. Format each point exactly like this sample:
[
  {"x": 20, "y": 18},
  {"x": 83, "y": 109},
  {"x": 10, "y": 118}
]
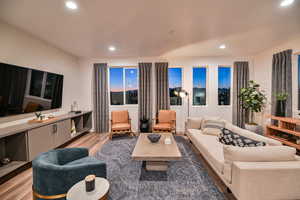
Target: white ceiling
[{"x": 149, "y": 28}]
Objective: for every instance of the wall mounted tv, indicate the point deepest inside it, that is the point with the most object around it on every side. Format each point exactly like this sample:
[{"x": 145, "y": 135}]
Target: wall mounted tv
[{"x": 24, "y": 90}]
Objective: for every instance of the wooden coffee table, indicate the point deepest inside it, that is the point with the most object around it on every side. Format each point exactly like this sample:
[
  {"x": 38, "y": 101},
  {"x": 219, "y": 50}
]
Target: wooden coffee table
[{"x": 157, "y": 155}]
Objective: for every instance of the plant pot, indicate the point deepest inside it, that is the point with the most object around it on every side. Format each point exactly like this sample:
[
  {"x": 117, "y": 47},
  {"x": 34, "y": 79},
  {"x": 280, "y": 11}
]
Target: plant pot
[
  {"x": 252, "y": 127},
  {"x": 144, "y": 125},
  {"x": 280, "y": 108}
]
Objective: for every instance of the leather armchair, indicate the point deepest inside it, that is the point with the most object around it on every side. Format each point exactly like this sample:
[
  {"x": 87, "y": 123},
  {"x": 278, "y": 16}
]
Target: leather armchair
[
  {"x": 56, "y": 171},
  {"x": 120, "y": 123},
  {"x": 165, "y": 122}
]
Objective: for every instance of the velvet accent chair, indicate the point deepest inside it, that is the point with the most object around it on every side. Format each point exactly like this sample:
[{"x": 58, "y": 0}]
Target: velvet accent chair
[
  {"x": 56, "y": 171},
  {"x": 120, "y": 123},
  {"x": 165, "y": 122}
]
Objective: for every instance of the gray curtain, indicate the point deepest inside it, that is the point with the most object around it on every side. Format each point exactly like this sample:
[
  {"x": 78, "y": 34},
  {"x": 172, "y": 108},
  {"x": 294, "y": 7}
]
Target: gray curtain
[
  {"x": 240, "y": 80},
  {"x": 282, "y": 79},
  {"x": 145, "y": 91},
  {"x": 162, "y": 87},
  {"x": 100, "y": 93}
]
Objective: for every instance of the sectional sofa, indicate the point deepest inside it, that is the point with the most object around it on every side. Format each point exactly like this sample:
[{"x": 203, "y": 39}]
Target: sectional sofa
[{"x": 271, "y": 172}]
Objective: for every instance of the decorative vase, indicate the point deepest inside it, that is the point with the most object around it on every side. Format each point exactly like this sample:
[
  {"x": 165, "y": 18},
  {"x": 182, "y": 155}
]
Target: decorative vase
[
  {"x": 144, "y": 125},
  {"x": 154, "y": 138},
  {"x": 251, "y": 127},
  {"x": 280, "y": 108}
]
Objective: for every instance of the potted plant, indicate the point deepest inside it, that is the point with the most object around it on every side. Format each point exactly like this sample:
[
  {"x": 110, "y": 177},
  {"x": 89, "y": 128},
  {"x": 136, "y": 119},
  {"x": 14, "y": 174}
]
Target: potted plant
[
  {"x": 253, "y": 101},
  {"x": 281, "y": 104}
]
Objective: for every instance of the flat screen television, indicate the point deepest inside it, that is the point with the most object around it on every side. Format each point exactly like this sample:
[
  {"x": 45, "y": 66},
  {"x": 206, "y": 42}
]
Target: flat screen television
[{"x": 24, "y": 90}]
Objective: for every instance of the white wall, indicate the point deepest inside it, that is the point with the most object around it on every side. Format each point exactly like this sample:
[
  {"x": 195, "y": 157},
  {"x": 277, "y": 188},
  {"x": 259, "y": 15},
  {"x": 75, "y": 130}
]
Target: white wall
[
  {"x": 262, "y": 73},
  {"x": 211, "y": 109},
  {"x": 19, "y": 48}
]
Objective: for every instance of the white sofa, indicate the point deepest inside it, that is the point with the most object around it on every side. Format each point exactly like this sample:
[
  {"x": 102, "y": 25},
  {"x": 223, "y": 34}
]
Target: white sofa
[{"x": 259, "y": 173}]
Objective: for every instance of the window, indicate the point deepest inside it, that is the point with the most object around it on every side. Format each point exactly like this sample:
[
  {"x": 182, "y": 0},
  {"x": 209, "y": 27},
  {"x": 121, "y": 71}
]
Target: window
[
  {"x": 123, "y": 86},
  {"x": 131, "y": 86},
  {"x": 175, "y": 84},
  {"x": 224, "y": 84},
  {"x": 199, "y": 86}
]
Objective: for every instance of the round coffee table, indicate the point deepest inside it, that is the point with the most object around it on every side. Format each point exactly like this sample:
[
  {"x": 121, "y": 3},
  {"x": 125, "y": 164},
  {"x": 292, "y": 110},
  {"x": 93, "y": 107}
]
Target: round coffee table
[{"x": 77, "y": 191}]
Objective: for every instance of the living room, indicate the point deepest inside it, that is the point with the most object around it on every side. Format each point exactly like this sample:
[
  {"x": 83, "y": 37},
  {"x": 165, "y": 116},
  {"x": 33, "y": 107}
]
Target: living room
[{"x": 101, "y": 78}]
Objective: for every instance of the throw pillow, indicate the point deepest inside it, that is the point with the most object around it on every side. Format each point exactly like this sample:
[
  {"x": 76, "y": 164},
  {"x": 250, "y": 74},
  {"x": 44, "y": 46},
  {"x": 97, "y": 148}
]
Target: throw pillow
[
  {"x": 213, "y": 123},
  {"x": 194, "y": 123},
  {"x": 212, "y": 131},
  {"x": 230, "y": 138}
]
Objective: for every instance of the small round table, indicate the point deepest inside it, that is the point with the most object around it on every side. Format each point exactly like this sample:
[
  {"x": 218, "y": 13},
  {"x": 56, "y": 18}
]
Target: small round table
[{"x": 78, "y": 192}]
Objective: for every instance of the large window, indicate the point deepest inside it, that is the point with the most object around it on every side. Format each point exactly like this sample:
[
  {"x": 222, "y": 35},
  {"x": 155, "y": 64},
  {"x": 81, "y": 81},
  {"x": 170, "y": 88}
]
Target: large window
[
  {"x": 123, "y": 86},
  {"x": 224, "y": 85},
  {"x": 199, "y": 86},
  {"x": 131, "y": 86},
  {"x": 175, "y": 84}
]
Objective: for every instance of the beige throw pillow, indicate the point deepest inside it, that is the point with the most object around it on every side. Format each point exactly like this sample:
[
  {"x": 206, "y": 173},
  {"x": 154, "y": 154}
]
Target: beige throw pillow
[
  {"x": 212, "y": 131},
  {"x": 212, "y": 126},
  {"x": 194, "y": 123}
]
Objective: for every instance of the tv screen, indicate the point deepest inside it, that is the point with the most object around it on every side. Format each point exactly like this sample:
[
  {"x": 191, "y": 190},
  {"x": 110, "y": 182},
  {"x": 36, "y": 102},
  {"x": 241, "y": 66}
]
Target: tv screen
[{"x": 25, "y": 90}]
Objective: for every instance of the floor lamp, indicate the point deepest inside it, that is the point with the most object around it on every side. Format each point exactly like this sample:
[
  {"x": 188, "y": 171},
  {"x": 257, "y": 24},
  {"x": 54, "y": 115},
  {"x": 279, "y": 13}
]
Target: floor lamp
[{"x": 183, "y": 93}]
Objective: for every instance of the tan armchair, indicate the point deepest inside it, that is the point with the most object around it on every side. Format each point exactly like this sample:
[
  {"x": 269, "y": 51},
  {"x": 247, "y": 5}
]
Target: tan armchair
[
  {"x": 165, "y": 122},
  {"x": 120, "y": 123}
]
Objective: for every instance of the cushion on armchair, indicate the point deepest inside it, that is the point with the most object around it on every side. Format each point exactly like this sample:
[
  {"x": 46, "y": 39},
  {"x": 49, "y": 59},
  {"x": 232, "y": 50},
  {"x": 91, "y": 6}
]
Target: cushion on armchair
[{"x": 120, "y": 126}]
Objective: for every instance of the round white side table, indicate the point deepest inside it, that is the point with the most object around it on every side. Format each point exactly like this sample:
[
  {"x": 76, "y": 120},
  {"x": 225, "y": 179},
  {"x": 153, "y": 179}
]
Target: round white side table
[{"x": 77, "y": 191}]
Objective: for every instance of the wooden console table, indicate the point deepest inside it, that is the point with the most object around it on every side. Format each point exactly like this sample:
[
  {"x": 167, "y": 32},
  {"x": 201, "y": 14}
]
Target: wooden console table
[
  {"x": 286, "y": 126},
  {"x": 23, "y": 142}
]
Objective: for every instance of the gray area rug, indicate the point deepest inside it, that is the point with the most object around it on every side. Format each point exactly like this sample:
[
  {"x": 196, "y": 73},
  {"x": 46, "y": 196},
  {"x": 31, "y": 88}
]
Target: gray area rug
[{"x": 185, "y": 179}]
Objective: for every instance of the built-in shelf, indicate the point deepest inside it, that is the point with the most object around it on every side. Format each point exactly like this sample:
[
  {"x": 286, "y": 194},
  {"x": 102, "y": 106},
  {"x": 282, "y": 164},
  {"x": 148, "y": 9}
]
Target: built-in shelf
[
  {"x": 23, "y": 142},
  {"x": 10, "y": 167},
  {"x": 284, "y": 126}
]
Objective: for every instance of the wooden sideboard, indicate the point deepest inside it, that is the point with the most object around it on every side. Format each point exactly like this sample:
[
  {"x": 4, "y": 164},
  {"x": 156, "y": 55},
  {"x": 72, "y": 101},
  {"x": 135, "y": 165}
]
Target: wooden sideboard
[
  {"x": 23, "y": 142},
  {"x": 284, "y": 130}
]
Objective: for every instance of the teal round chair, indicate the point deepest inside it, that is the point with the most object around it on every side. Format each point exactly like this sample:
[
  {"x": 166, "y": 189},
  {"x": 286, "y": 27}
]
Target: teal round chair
[{"x": 56, "y": 171}]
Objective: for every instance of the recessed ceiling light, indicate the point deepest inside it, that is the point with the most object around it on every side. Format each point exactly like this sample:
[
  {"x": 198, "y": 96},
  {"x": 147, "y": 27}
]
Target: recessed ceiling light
[
  {"x": 286, "y": 3},
  {"x": 71, "y": 5},
  {"x": 223, "y": 46},
  {"x": 111, "y": 48}
]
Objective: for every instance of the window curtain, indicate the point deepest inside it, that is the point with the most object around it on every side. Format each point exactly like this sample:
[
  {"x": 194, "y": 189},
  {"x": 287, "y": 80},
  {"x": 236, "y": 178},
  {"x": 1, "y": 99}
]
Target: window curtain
[
  {"x": 282, "y": 79},
  {"x": 145, "y": 90},
  {"x": 101, "y": 105},
  {"x": 240, "y": 80},
  {"x": 162, "y": 87}
]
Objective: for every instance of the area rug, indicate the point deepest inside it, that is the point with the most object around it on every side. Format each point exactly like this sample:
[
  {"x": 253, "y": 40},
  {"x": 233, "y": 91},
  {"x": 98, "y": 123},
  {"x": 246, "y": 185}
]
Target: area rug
[{"x": 186, "y": 179}]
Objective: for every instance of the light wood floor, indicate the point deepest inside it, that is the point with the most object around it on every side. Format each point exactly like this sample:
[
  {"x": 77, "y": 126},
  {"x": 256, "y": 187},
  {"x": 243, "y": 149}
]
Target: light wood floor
[{"x": 19, "y": 187}]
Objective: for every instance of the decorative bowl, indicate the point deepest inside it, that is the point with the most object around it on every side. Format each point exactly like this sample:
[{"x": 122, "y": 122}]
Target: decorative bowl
[{"x": 154, "y": 137}]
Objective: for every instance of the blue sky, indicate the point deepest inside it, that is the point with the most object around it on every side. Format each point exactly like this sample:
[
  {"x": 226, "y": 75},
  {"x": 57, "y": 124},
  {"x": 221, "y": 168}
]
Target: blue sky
[
  {"x": 131, "y": 82},
  {"x": 116, "y": 79},
  {"x": 175, "y": 77},
  {"x": 224, "y": 77},
  {"x": 199, "y": 77}
]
